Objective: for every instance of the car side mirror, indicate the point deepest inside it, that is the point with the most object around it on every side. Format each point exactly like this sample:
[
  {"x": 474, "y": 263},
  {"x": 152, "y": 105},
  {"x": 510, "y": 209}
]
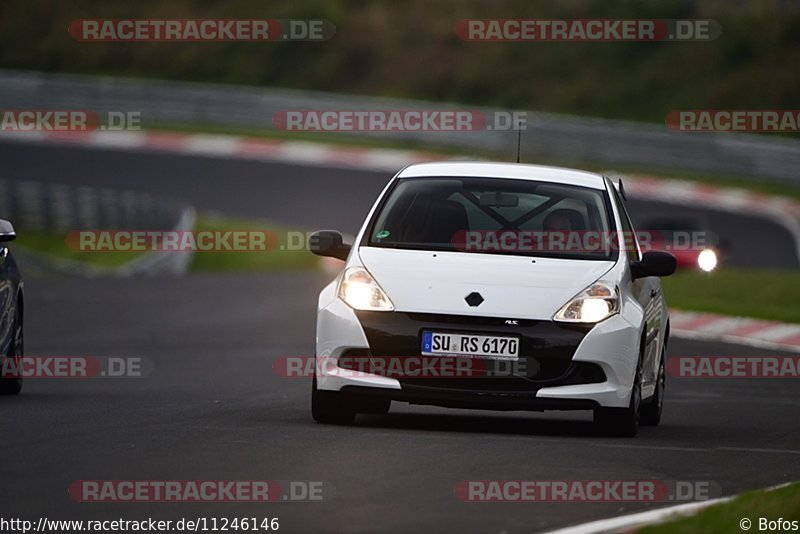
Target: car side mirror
[
  {"x": 654, "y": 263},
  {"x": 7, "y": 232},
  {"x": 329, "y": 243}
]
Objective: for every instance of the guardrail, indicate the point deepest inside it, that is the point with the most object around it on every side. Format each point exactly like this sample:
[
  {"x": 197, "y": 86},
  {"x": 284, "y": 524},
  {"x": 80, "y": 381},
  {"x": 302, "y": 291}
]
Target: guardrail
[
  {"x": 37, "y": 207},
  {"x": 548, "y": 137}
]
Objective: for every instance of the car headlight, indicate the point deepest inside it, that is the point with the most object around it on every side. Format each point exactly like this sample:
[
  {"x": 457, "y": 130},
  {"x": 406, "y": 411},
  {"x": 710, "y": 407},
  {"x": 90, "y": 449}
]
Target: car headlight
[
  {"x": 360, "y": 291},
  {"x": 595, "y": 303},
  {"x": 707, "y": 260}
]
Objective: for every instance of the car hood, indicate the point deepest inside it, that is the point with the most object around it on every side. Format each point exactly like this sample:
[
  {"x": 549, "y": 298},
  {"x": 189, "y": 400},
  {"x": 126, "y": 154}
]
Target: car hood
[{"x": 514, "y": 287}]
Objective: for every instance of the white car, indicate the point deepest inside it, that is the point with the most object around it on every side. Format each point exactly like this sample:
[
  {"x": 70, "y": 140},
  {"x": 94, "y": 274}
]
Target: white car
[{"x": 525, "y": 279}]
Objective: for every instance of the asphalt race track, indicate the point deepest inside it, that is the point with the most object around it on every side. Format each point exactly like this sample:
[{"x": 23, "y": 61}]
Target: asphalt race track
[{"x": 211, "y": 406}]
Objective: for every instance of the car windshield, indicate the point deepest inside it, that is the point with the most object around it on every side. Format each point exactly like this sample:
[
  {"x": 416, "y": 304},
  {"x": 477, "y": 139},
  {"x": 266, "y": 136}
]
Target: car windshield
[{"x": 495, "y": 216}]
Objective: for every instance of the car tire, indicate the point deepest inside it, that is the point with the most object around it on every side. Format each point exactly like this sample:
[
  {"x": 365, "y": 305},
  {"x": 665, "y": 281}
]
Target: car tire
[
  {"x": 622, "y": 422},
  {"x": 13, "y": 385},
  {"x": 651, "y": 411},
  {"x": 331, "y": 407}
]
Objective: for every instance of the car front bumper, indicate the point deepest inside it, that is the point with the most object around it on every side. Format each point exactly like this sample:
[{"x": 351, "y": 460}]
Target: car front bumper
[{"x": 565, "y": 366}]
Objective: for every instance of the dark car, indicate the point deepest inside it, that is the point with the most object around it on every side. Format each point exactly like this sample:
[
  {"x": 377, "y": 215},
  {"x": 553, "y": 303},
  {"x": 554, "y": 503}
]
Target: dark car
[{"x": 11, "y": 337}]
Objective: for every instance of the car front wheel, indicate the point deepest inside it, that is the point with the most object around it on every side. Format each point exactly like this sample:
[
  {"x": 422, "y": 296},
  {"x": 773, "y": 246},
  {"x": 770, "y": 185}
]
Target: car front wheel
[
  {"x": 651, "y": 411},
  {"x": 622, "y": 422},
  {"x": 331, "y": 407}
]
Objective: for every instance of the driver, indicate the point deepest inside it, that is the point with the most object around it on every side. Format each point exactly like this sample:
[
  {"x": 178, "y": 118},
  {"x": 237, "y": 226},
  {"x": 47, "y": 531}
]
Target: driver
[{"x": 559, "y": 225}]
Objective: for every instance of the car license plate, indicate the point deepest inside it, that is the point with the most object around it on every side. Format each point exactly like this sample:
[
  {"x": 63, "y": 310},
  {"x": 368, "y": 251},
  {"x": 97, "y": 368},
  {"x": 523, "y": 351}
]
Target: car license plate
[{"x": 469, "y": 345}]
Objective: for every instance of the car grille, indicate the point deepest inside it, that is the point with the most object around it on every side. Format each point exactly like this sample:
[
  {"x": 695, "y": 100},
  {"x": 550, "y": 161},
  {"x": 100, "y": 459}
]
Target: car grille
[{"x": 546, "y": 351}]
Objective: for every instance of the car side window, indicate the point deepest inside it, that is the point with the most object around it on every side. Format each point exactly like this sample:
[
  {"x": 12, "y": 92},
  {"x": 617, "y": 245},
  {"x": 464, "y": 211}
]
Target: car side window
[{"x": 631, "y": 243}]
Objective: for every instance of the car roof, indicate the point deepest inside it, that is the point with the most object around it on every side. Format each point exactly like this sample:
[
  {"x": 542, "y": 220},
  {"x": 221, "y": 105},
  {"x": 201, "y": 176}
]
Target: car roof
[{"x": 517, "y": 171}]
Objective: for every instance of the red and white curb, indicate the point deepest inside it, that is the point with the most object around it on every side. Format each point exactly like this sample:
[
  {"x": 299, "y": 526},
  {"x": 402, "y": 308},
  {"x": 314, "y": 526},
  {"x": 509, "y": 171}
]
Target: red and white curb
[
  {"x": 739, "y": 330},
  {"x": 232, "y": 147}
]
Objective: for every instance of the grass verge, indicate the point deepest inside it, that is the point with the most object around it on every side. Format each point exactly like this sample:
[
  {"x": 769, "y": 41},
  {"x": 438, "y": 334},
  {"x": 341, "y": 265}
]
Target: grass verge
[
  {"x": 782, "y": 503},
  {"x": 55, "y": 245},
  {"x": 758, "y": 293},
  {"x": 277, "y": 259}
]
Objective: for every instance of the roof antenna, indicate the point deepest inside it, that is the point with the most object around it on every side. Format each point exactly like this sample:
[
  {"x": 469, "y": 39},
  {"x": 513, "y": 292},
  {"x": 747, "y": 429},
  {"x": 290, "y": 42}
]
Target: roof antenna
[{"x": 519, "y": 139}]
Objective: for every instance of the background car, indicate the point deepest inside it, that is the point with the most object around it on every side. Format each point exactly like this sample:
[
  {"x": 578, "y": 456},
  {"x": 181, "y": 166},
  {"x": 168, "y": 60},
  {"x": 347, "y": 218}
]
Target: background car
[{"x": 689, "y": 239}]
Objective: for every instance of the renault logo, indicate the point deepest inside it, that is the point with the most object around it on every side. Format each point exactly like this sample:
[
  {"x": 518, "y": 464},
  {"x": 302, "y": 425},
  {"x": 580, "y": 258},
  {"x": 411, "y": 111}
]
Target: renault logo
[{"x": 474, "y": 299}]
